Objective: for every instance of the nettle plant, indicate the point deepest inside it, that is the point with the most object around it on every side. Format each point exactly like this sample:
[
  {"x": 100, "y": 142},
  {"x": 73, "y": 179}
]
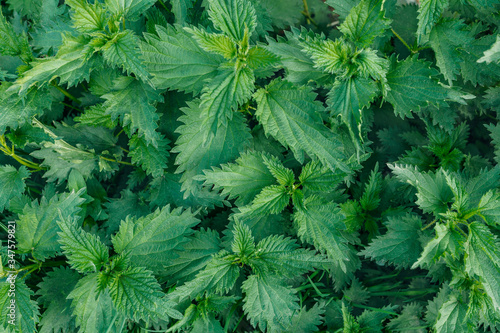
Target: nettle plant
[{"x": 249, "y": 166}]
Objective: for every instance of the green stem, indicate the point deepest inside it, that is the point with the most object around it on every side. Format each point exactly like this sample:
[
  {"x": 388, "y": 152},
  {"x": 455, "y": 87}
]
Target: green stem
[
  {"x": 66, "y": 93},
  {"x": 71, "y": 107},
  {"x": 10, "y": 152},
  {"x": 373, "y": 309},
  {"x": 403, "y": 41},
  {"x": 163, "y": 5},
  {"x": 116, "y": 161},
  {"x": 307, "y": 14}
]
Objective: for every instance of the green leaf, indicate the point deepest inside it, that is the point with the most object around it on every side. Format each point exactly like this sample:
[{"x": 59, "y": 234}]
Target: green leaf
[
  {"x": 87, "y": 18},
  {"x": 15, "y": 110},
  {"x": 207, "y": 325},
  {"x": 37, "y": 225},
  {"x": 13, "y": 184},
  {"x": 433, "y": 195},
  {"x": 152, "y": 159},
  {"x": 269, "y": 303},
  {"x": 219, "y": 276},
  {"x": 348, "y": 98},
  {"x": 243, "y": 242},
  {"x": 196, "y": 154},
  {"x": 316, "y": 177},
  {"x": 26, "y": 314},
  {"x": 121, "y": 50},
  {"x": 429, "y": 13},
  {"x": 452, "y": 316},
  {"x": 322, "y": 225},
  {"x": 230, "y": 88},
  {"x": 342, "y": 7},
  {"x": 243, "y": 179},
  {"x": 365, "y": 22},
  {"x": 279, "y": 255},
  {"x": 271, "y": 200},
  {"x": 306, "y": 321},
  {"x": 95, "y": 116},
  {"x": 133, "y": 102},
  {"x": 447, "y": 241},
  {"x": 483, "y": 259},
  {"x": 176, "y": 61},
  {"x": 445, "y": 39},
  {"x": 298, "y": 65},
  {"x": 73, "y": 64},
  {"x": 150, "y": 241},
  {"x": 92, "y": 307},
  {"x": 181, "y": 8},
  {"x": 260, "y": 58},
  {"x": 283, "y": 175},
  {"x": 413, "y": 87},
  {"x": 11, "y": 43},
  {"x": 194, "y": 256},
  {"x": 408, "y": 320},
  {"x": 130, "y": 9},
  {"x": 291, "y": 115},
  {"x": 492, "y": 54},
  {"x": 400, "y": 245},
  {"x": 53, "y": 290},
  {"x": 233, "y": 17},
  {"x": 136, "y": 293},
  {"x": 216, "y": 43},
  {"x": 86, "y": 253}
]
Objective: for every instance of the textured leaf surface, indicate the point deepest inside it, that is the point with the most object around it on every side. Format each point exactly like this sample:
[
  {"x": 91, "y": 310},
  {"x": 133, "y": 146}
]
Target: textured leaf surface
[
  {"x": 131, "y": 9},
  {"x": 269, "y": 303},
  {"x": 483, "y": 249},
  {"x": 152, "y": 159},
  {"x": 400, "y": 246},
  {"x": 291, "y": 115},
  {"x": 37, "y": 225},
  {"x": 413, "y": 87},
  {"x": 85, "y": 252},
  {"x": 243, "y": 179},
  {"x": 26, "y": 314},
  {"x": 176, "y": 61},
  {"x": 197, "y": 153},
  {"x": 451, "y": 316},
  {"x": 233, "y": 17},
  {"x": 365, "y": 22},
  {"x": 429, "y": 13},
  {"x": 13, "y": 184},
  {"x": 150, "y": 241}
]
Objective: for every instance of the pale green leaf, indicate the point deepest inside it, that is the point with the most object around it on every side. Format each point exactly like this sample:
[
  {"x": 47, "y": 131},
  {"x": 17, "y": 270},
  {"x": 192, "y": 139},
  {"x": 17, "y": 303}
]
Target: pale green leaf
[
  {"x": 342, "y": 7},
  {"x": 452, "y": 316},
  {"x": 283, "y": 175},
  {"x": 121, "y": 50},
  {"x": 216, "y": 43},
  {"x": 316, "y": 177},
  {"x": 492, "y": 54},
  {"x": 176, "y": 61},
  {"x": 130, "y": 9},
  {"x": 483, "y": 259},
  {"x": 87, "y": 18},
  {"x": 429, "y": 13},
  {"x": 271, "y": 200},
  {"x": 446, "y": 241},
  {"x": 243, "y": 179},
  {"x": 365, "y": 22},
  {"x": 243, "y": 242},
  {"x": 233, "y": 17},
  {"x": 93, "y": 309},
  {"x": 218, "y": 276},
  {"x": 26, "y": 314}
]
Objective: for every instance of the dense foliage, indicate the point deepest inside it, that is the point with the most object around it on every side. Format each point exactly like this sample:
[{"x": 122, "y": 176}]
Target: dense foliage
[{"x": 249, "y": 165}]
